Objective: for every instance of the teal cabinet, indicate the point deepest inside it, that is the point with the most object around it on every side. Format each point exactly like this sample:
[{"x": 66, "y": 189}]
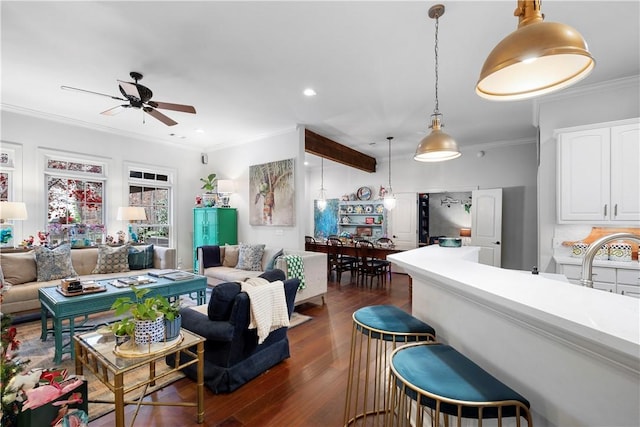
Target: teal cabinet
[{"x": 213, "y": 226}]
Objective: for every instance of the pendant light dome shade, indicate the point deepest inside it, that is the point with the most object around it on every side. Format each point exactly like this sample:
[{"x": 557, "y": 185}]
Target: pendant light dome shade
[
  {"x": 536, "y": 59},
  {"x": 437, "y": 146}
]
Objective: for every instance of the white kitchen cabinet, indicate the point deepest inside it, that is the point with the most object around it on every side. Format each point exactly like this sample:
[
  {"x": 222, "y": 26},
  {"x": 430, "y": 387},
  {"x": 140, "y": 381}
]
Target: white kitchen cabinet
[
  {"x": 598, "y": 175},
  {"x": 607, "y": 276}
]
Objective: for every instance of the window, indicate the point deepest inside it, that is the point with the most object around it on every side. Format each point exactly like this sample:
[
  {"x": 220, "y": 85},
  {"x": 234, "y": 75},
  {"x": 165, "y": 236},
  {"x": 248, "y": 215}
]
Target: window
[
  {"x": 152, "y": 190},
  {"x": 75, "y": 200}
]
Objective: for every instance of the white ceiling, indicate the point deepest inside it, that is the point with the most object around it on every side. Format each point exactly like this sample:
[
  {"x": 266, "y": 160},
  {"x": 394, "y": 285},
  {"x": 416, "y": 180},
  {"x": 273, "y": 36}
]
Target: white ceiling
[{"x": 244, "y": 65}]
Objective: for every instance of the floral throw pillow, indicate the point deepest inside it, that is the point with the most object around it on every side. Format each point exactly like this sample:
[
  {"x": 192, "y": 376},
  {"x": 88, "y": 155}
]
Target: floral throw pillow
[
  {"x": 112, "y": 260},
  {"x": 250, "y": 257},
  {"x": 53, "y": 264}
]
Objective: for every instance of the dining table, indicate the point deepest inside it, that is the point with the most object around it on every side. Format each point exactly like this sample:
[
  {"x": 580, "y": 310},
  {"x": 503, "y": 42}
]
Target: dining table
[{"x": 379, "y": 252}]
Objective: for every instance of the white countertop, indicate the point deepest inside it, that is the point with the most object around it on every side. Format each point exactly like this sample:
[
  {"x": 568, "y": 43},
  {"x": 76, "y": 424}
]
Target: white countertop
[
  {"x": 604, "y": 322},
  {"x": 631, "y": 265}
]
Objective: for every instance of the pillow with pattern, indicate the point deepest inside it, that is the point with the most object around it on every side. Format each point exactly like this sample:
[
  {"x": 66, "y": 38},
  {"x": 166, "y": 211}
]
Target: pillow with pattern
[
  {"x": 140, "y": 257},
  {"x": 53, "y": 264},
  {"x": 250, "y": 257},
  {"x": 112, "y": 259}
]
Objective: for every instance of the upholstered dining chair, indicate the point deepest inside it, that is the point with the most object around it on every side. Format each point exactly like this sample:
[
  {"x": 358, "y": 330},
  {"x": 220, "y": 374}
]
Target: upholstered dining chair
[
  {"x": 338, "y": 261},
  {"x": 368, "y": 266}
]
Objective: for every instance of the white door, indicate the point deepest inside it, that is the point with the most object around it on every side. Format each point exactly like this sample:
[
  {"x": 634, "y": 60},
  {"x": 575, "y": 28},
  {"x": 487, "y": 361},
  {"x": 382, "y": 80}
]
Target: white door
[
  {"x": 486, "y": 225},
  {"x": 403, "y": 230}
]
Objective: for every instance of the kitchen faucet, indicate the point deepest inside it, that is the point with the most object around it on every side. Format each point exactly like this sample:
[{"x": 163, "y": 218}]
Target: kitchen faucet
[{"x": 587, "y": 262}]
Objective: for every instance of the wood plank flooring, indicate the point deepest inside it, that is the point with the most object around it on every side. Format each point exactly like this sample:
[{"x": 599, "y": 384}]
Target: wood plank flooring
[{"x": 306, "y": 390}]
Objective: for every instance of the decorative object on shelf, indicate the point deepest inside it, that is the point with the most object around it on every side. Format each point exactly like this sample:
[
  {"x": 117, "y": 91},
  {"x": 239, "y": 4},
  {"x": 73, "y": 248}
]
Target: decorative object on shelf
[
  {"x": 437, "y": 146},
  {"x": 225, "y": 188},
  {"x": 345, "y": 220},
  {"x": 352, "y": 197},
  {"x": 322, "y": 196},
  {"x": 209, "y": 186},
  {"x": 389, "y": 198},
  {"x": 536, "y": 59},
  {"x": 131, "y": 213},
  {"x": 379, "y": 209},
  {"x": 368, "y": 209},
  {"x": 350, "y": 209},
  {"x": 359, "y": 209},
  {"x": 10, "y": 211},
  {"x": 364, "y": 193},
  {"x": 620, "y": 251},
  {"x": 368, "y": 220}
]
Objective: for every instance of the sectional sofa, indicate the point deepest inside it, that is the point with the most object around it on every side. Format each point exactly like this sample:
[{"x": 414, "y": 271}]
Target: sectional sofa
[
  {"x": 229, "y": 268},
  {"x": 21, "y": 269}
]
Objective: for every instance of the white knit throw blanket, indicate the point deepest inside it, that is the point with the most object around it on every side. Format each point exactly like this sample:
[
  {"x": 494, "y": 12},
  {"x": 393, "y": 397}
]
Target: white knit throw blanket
[{"x": 268, "y": 306}]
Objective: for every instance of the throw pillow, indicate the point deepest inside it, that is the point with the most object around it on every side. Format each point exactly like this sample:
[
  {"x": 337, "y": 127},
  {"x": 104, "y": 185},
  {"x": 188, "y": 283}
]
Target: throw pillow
[
  {"x": 273, "y": 275},
  {"x": 230, "y": 256},
  {"x": 112, "y": 260},
  {"x": 250, "y": 257},
  {"x": 140, "y": 257},
  {"x": 272, "y": 262},
  {"x": 54, "y": 264},
  {"x": 221, "y": 302},
  {"x": 19, "y": 267}
]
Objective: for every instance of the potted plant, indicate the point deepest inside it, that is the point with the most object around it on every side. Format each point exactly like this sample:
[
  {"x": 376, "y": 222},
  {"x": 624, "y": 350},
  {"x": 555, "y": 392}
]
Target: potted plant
[
  {"x": 147, "y": 314},
  {"x": 209, "y": 186},
  {"x": 172, "y": 318},
  {"x": 123, "y": 330}
]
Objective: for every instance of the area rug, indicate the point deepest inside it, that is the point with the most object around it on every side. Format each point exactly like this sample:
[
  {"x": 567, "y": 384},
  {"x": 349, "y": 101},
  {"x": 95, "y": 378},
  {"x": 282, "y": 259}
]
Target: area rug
[
  {"x": 298, "y": 319},
  {"x": 40, "y": 353}
]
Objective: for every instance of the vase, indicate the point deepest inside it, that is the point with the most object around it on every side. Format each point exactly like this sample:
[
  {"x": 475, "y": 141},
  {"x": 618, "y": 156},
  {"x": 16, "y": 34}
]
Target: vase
[
  {"x": 172, "y": 327},
  {"x": 149, "y": 331},
  {"x": 208, "y": 200}
]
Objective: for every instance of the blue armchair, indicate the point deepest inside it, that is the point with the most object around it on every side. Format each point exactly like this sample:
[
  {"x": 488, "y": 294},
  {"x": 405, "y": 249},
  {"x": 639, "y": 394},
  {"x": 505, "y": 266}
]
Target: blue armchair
[{"x": 232, "y": 355}]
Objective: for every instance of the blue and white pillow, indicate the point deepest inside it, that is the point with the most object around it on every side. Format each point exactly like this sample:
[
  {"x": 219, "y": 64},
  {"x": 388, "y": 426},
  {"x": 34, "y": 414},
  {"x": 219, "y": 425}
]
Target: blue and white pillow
[
  {"x": 250, "y": 257},
  {"x": 112, "y": 260},
  {"x": 53, "y": 264}
]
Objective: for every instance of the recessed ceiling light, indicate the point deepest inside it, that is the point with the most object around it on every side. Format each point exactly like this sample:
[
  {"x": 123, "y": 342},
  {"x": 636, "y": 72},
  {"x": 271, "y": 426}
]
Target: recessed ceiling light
[
  {"x": 306, "y": 163},
  {"x": 309, "y": 92}
]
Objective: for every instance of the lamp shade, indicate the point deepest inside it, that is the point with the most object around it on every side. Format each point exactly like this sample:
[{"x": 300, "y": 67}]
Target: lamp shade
[
  {"x": 437, "y": 146},
  {"x": 13, "y": 211},
  {"x": 389, "y": 202},
  {"x": 536, "y": 59},
  {"x": 131, "y": 213},
  {"x": 225, "y": 186}
]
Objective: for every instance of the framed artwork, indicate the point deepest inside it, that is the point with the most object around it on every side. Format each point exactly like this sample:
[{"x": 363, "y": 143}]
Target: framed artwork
[
  {"x": 325, "y": 223},
  {"x": 272, "y": 194}
]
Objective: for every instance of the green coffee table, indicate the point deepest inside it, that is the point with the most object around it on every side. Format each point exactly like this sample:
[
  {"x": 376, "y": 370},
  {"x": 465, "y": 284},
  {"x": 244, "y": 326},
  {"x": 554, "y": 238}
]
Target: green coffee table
[{"x": 67, "y": 308}]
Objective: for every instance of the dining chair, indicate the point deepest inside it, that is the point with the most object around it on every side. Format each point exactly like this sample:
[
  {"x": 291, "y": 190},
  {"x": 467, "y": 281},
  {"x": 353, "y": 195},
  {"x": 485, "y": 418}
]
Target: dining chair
[
  {"x": 385, "y": 242},
  {"x": 368, "y": 266},
  {"x": 338, "y": 261}
]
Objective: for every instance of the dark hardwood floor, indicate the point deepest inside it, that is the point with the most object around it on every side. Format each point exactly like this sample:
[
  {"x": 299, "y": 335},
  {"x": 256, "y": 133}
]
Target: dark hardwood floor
[{"x": 305, "y": 390}]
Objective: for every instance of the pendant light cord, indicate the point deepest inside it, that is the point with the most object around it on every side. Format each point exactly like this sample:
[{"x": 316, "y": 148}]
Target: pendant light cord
[
  {"x": 389, "y": 138},
  {"x": 437, "y": 110},
  {"x": 321, "y": 174}
]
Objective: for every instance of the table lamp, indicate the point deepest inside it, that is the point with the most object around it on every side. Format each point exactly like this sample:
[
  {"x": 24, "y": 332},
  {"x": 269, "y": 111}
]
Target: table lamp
[
  {"x": 225, "y": 188},
  {"x": 10, "y": 211},
  {"x": 131, "y": 213}
]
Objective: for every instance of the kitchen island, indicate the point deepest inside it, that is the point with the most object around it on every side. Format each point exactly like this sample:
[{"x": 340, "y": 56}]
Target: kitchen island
[{"x": 574, "y": 352}]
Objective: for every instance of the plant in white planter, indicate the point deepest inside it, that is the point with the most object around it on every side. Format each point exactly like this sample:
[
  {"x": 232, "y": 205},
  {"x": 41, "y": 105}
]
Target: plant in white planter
[
  {"x": 147, "y": 314},
  {"x": 209, "y": 186}
]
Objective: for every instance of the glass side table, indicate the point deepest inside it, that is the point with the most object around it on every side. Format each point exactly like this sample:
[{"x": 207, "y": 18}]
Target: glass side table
[{"x": 97, "y": 353}]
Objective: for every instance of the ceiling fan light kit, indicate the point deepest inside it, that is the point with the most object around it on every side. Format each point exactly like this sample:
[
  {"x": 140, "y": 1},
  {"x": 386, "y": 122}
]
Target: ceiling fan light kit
[
  {"x": 536, "y": 59},
  {"x": 437, "y": 146},
  {"x": 139, "y": 97}
]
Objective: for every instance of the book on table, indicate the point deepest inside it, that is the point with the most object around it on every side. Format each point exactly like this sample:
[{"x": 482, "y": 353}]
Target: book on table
[
  {"x": 179, "y": 275},
  {"x": 162, "y": 273},
  {"x": 123, "y": 282}
]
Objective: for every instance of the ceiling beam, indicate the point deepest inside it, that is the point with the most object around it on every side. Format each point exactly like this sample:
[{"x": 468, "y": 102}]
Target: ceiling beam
[{"x": 329, "y": 149}]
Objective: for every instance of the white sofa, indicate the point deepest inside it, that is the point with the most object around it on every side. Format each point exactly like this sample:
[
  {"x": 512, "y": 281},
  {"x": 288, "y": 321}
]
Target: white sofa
[
  {"x": 315, "y": 271},
  {"x": 19, "y": 269}
]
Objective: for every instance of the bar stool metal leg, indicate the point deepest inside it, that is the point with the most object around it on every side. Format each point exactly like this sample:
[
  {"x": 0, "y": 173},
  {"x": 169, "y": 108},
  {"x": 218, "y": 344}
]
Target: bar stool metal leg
[{"x": 377, "y": 331}]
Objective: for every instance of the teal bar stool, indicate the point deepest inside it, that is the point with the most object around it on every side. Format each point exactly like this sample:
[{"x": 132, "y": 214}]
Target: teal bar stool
[
  {"x": 377, "y": 330},
  {"x": 430, "y": 382}
]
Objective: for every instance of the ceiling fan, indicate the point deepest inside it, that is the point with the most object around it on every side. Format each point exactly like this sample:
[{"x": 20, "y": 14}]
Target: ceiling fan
[{"x": 139, "y": 97}]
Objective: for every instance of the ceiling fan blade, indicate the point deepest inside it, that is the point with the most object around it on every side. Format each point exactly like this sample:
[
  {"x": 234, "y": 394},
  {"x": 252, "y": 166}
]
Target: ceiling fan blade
[
  {"x": 130, "y": 89},
  {"x": 115, "y": 110},
  {"x": 174, "y": 107},
  {"x": 158, "y": 115},
  {"x": 74, "y": 89}
]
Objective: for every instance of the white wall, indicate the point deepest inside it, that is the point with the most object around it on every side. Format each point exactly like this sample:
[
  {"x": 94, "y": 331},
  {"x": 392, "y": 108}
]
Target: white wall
[
  {"x": 33, "y": 134},
  {"x": 233, "y": 163},
  {"x": 615, "y": 100},
  {"x": 511, "y": 167}
]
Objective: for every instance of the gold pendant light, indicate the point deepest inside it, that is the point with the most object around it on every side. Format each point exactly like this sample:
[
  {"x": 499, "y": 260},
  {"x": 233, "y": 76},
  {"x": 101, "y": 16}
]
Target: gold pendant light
[
  {"x": 536, "y": 59},
  {"x": 437, "y": 146}
]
